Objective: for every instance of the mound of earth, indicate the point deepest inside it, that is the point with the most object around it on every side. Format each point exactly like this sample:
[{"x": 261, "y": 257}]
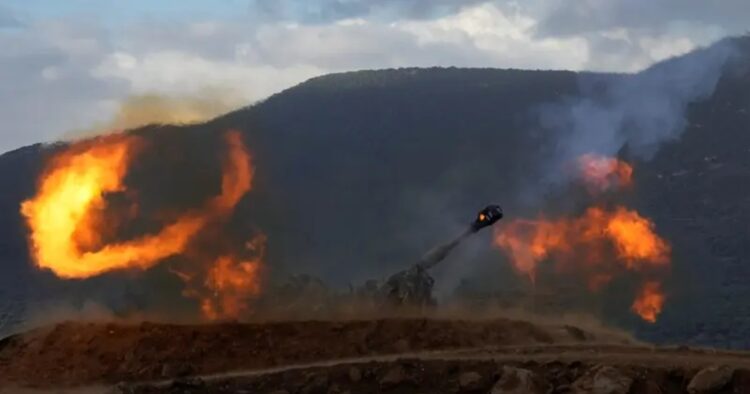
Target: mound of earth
[
  {"x": 70, "y": 354},
  {"x": 402, "y": 355}
]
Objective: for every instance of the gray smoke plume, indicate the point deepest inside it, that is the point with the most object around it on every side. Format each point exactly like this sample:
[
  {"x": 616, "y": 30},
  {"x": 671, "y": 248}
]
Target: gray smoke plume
[{"x": 640, "y": 111}]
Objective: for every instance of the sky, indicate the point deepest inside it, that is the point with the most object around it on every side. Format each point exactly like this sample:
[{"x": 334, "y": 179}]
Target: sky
[{"x": 67, "y": 66}]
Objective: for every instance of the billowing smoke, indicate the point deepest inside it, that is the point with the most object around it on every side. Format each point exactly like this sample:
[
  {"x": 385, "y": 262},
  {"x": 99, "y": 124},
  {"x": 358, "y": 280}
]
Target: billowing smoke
[
  {"x": 613, "y": 117},
  {"x": 153, "y": 108},
  {"x": 640, "y": 111}
]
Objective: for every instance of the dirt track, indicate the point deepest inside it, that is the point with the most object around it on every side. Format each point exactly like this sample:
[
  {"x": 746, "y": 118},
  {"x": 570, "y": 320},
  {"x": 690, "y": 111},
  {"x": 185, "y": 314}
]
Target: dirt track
[{"x": 357, "y": 356}]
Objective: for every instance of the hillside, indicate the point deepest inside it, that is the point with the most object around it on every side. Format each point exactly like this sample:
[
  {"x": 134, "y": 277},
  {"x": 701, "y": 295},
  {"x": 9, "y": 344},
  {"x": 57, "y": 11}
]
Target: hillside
[{"x": 360, "y": 173}]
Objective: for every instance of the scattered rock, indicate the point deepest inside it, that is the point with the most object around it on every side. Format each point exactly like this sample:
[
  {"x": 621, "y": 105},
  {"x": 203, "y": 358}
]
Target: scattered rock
[
  {"x": 609, "y": 380},
  {"x": 519, "y": 381},
  {"x": 603, "y": 380},
  {"x": 651, "y": 387},
  {"x": 318, "y": 384},
  {"x": 355, "y": 375},
  {"x": 393, "y": 377},
  {"x": 121, "y": 388},
  {"x": 470, "y": 381},
  {"x": 710, "y": 379},
  {"x": 576, "y": 333}
]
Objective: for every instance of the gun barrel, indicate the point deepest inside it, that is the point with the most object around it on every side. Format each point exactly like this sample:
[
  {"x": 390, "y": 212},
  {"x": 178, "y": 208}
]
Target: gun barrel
[
  {"x": 439, "y": 253},
  {"x": 485, "y": 218}
]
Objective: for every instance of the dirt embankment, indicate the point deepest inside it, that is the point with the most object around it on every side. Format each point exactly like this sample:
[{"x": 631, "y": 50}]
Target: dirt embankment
[
  {"x": 368, "y": 356},
  {"x": 70, "y": 354}
]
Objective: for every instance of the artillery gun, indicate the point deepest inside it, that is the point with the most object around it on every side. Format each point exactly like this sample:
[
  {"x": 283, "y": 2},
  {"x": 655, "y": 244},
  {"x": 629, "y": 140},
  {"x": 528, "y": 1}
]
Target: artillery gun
[{"x": 413, "y": 287}]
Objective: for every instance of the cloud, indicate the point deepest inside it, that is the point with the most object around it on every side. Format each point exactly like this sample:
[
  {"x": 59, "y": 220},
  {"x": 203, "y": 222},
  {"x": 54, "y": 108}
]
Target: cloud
[
  {"x": 179, "y": 73},
  {"x": 483, "y": 35},
  {"x": 505, "y": 38},
  {"x": 47, "y": 86},
  {"x": 260, "y": 60},
  {"x": 74, "y": 74},
  {"x": 556, "y": 17},
  {"x": 8, "y": 19},
  {"x": 580, "y": 17},
  {"x": 632, "y": 50},
  {"x": 324, "y": 11}
]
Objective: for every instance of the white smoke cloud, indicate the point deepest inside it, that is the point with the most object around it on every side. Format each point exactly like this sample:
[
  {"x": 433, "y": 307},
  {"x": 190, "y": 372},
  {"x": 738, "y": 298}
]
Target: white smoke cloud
[{"x": 641, "y": 111}]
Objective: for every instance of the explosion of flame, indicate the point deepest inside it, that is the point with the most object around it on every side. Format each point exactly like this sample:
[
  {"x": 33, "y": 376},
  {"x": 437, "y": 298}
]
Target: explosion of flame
[
  {"x": 598, "y": 244},
  {"x": 230, "y": 282},
  {"x": 62, "y": 216},
  {"x": 601, "y": 173},
  {"x": 597, "y": 231},
  {"x": 649, "y": 301},
  {"x": 64, "y": 221}
]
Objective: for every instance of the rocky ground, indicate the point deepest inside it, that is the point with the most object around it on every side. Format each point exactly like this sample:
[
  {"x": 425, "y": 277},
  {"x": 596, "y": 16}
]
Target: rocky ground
[
  {"x": 407, "y": 355},
  {"x": 468, "y": 376}
]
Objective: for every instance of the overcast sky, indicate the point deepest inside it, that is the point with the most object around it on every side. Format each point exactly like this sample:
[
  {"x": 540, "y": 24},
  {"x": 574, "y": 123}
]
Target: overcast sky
[{"x": 67, "y": 65}]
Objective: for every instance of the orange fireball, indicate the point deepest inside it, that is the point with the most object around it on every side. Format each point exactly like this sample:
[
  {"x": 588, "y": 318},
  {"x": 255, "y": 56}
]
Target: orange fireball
[
  {"x": 601, "y": 173},
  {"x": 232, "y": 282},
  {"x": 225, "y": 288},
  {"x": 635, "y": 240},
  {"x": 649, "y": 302},
  {"x": 62, "y": 216},
  {"x": 585, "y": 240},
  {"x": 597, "y": 245}
]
